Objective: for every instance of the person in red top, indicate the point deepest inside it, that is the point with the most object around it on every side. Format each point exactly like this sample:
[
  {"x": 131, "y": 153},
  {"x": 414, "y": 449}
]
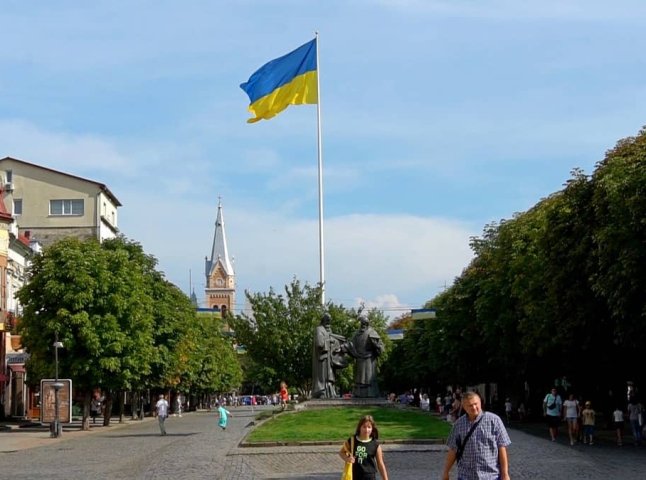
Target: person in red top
[{"x": 284, "y": 395}]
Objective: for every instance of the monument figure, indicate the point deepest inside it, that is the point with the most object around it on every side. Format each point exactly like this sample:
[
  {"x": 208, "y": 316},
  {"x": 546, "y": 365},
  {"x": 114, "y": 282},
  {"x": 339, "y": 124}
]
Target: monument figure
[
  {"x": 366, "y": 346},
  {"x": 328, "y": 355}
]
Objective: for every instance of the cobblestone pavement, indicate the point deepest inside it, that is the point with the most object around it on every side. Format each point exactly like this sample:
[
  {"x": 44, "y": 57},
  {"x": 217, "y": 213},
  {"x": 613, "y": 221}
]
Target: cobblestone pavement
[{"x": 195, "y": 448}]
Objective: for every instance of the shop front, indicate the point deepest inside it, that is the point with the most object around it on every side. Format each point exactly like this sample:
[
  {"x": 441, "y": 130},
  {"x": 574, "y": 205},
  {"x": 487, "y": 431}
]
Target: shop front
[{"x": 16, "y": 391}]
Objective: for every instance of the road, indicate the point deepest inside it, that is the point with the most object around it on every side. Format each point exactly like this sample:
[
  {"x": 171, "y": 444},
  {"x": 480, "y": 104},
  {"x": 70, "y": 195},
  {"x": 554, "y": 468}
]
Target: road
[{"x": 195, "y": 448}]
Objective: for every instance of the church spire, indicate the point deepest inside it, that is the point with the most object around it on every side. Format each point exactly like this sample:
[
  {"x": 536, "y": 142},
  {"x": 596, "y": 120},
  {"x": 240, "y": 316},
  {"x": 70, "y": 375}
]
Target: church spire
[
  {"x": 219, "y": 251},
  {"x": 220, "y": 277}
]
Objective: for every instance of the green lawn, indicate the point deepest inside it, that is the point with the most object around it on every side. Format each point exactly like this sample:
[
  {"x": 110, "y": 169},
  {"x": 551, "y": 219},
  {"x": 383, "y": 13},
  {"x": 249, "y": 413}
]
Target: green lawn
[{"x": 337, "y": 424}]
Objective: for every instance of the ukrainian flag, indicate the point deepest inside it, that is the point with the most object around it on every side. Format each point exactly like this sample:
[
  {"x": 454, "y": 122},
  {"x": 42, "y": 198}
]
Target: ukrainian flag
[{"x": 288, "y": 80}]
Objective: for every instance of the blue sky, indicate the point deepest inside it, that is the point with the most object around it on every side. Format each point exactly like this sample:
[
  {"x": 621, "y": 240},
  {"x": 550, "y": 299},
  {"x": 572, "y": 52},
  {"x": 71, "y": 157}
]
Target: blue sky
[{"x": 438, "y": 117}]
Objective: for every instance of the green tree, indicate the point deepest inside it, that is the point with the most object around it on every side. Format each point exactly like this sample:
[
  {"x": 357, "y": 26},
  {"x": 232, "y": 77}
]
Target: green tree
[
  {"x": 620, "y": 248},
  {"x": 206, "y": 360},
  {"x": 578, "y": 318},
  {"x": 94, "y": 299},
  {"x": 277, "y": 336},
  {"x": 555, "y": 291}
]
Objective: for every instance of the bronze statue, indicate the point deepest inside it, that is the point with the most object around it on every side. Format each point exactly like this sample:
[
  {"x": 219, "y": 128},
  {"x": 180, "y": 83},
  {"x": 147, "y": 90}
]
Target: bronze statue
[
  {"x": 328, "y": 355},
  {"x": 366, "y": 346}
]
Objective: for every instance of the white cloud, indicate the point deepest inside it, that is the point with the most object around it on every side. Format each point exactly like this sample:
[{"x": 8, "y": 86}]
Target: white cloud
[
  {"x": 388, "y": 303},
  {"x": 378, "y": 259},
  {"x": 373, "y": 258},
  {"x": 400, "y": 254},
  {"x": 60, "y": 150}
]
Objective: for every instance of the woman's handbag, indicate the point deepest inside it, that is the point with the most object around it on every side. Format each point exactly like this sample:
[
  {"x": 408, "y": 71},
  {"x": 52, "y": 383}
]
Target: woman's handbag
[{"x": 347, "y": 468}]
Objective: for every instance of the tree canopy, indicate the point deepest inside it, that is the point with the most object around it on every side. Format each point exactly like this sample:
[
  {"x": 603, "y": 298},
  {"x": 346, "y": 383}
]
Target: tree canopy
[
  {"x": 92, "y": 299},
  {"x": 558, "y": 290},
  {"x": 278, "y": 335},
  {"x": 122, "y": 325}
]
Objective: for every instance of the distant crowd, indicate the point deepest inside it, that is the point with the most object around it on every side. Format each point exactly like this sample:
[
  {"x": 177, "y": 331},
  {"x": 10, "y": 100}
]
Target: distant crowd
[
  {"x": 581, "y": 417},
  {"x": 233, "y": 400},
  {"x": 574, "y": 414},
  {"x": 280, "y": 398},
  {"x": 448, "y": 404}
]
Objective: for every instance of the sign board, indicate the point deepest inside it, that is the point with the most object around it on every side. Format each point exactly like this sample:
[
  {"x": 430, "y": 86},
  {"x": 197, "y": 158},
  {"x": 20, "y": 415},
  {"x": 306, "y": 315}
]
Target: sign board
[
  {"x": 48, "y": 401},
  {"x": 17, "y": 358},
  {"x": 422, "y": 313},
  {"x": 395, "y": 334}
]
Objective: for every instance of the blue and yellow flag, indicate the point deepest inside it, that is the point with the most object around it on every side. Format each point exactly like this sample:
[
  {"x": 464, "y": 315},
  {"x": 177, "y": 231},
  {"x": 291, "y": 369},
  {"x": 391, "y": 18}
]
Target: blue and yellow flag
[{"x": 288, "y": 80}]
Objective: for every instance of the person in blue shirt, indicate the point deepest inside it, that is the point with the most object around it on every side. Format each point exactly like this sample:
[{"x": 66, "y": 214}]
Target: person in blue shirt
[{"x": 478, "y": 443}]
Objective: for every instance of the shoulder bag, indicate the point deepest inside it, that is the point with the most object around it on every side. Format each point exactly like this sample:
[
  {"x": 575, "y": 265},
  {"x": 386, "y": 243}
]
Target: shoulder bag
[
  {"x": 347, "y": 468},
  {"x": 463, "y": 443},
  {"x": 552, "y": 405}
]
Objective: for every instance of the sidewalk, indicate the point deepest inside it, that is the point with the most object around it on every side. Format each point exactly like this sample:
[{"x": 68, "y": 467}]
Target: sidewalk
[
  {"x": 602, "y": 434},
  {"x": 197, "y": 448},
  {"x": 18, "y": 435}
]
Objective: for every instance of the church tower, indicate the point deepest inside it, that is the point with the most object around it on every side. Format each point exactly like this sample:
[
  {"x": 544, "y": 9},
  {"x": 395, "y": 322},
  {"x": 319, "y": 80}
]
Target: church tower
[{"x": 220, "y": 279}]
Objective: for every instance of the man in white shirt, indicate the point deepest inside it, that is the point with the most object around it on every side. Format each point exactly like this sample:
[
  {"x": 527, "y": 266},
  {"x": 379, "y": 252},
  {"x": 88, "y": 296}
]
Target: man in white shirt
[
  {"x": 161, "y": 410},
  {"x": 179, "y": 405}
]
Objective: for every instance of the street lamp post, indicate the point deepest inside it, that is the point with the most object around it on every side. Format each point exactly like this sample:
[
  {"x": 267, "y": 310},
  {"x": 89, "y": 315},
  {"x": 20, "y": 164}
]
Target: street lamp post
[{"x": 56, "y": 429}]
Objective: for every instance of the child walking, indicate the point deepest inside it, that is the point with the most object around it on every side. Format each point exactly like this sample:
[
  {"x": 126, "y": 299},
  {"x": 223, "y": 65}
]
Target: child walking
[
  {"x": 284, "y": 395},
  {"x": 223, "y": 415},
  {"x": 588, "y": 415},
  {"x": 508, "y": 409},
  {"x": 364, "y": 452}
]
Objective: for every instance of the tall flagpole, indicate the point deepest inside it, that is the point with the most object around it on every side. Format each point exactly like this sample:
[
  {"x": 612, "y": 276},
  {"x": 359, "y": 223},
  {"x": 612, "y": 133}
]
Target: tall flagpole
[{"x": 320, "y": 165}]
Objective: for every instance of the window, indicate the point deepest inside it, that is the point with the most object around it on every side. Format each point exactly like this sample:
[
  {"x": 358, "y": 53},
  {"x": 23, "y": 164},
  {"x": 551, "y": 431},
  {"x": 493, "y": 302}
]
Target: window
[
  {"x": 17, "y": 206},
  {"x": 8, "y": 176},
  {"x": 66, "y": 207}
]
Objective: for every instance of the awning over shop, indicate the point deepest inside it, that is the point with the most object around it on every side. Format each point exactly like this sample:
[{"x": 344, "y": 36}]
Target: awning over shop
[{"x": 17, "y": 368}]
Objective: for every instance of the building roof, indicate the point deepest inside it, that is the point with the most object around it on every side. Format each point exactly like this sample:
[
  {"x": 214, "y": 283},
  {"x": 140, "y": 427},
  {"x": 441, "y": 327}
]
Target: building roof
[
  {"x": 101, "y": 186},
  {"x": 219, "y": 252}
]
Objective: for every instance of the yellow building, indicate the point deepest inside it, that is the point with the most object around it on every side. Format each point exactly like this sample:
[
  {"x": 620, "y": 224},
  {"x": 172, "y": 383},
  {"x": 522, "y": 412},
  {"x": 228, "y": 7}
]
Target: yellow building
[{"x": 49, "y": 205}]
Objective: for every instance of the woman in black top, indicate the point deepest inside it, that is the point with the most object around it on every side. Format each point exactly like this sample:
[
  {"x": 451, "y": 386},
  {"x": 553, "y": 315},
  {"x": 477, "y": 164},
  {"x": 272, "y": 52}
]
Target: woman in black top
[{"x": 366, "y": 456}]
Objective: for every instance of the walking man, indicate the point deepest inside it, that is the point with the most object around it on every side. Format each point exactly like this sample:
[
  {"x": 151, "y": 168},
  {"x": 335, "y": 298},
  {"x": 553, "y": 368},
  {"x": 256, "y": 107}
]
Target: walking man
[
  {"x": 552, "y": 404},
  {"x": 478, "y": 443},
  {"x": 634, "y": 412},
  {"x": 161, "y": 410}
]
